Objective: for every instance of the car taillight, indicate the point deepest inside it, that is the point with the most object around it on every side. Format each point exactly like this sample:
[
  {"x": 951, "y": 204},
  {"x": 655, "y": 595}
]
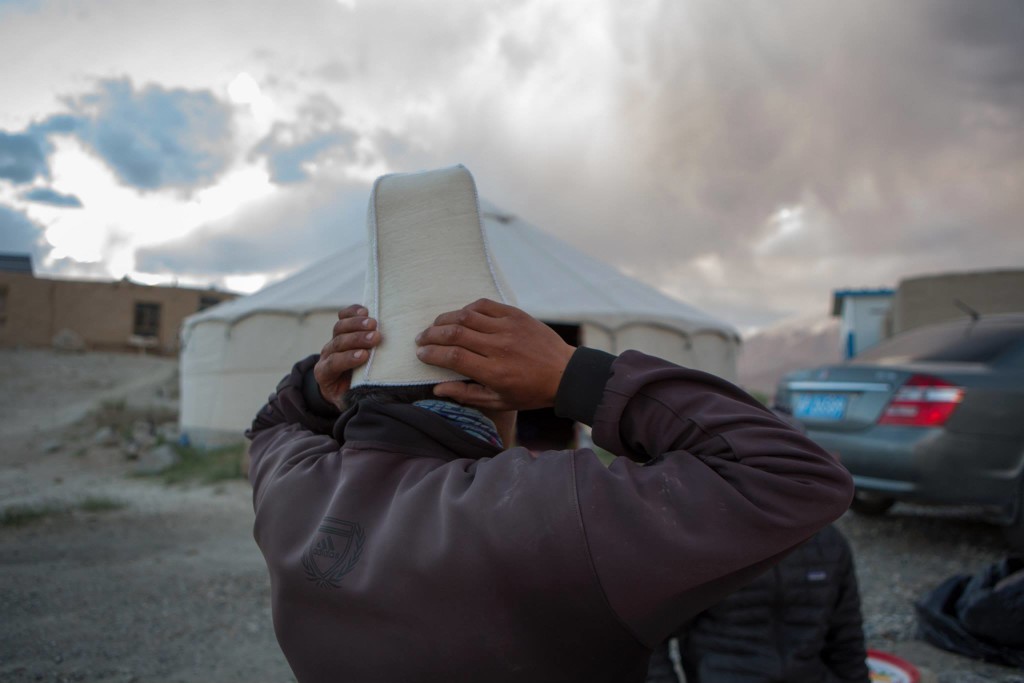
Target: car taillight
[{"x": 922, "y": 401}]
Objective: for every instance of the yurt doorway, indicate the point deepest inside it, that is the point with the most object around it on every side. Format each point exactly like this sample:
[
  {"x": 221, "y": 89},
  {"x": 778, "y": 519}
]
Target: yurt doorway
[{"x": 542, "y": 430}]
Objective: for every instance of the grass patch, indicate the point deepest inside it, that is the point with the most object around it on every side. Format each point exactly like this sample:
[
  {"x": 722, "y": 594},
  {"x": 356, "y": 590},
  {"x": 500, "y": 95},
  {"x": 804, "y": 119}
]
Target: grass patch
[
  {"x": 100, "y": 504},
  {"x": 205, "y": 466},
  {"x": 21, "y": 515},
  {"x": 120, "y": 416}
]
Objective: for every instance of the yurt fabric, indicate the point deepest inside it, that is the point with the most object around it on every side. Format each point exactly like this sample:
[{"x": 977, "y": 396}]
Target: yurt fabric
[{"x": 233, "y": 354}]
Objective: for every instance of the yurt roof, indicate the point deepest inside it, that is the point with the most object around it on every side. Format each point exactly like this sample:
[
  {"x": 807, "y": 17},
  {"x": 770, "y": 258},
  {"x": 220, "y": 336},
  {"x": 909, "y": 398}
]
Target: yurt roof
[{"x": 551, "y": 280}]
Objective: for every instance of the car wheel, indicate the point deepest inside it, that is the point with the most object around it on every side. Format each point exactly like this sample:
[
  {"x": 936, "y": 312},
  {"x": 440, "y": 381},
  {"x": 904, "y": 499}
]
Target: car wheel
[{"x": 870, "y": 503}]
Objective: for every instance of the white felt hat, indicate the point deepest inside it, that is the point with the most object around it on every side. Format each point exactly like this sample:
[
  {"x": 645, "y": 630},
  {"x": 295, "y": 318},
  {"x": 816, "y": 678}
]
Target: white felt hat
[{"x": 428, "y": 255}]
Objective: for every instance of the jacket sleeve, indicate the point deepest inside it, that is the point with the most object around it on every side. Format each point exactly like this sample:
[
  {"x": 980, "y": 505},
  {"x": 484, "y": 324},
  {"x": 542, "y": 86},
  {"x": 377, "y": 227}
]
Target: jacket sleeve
[
  {"x": 844, "y": 652},
  {"x": 295, "y": 423},
  {"x": 711, "y": 490}
]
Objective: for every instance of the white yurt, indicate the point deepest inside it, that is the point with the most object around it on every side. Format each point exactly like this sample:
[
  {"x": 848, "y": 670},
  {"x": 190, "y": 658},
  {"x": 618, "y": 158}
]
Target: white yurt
[{"x": 234, "y": 354}]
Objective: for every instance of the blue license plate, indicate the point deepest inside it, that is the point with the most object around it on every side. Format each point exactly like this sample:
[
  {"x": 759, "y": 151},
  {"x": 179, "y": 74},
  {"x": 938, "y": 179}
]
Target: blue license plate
[{"x": 819, "y": 406}]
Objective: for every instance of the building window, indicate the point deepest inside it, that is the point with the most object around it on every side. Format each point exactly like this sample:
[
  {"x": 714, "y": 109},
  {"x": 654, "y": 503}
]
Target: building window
[
  {"x": 3, "y": 306},
  {"x": 207, "y": 301},
  {"x": 147, "y": 320}
]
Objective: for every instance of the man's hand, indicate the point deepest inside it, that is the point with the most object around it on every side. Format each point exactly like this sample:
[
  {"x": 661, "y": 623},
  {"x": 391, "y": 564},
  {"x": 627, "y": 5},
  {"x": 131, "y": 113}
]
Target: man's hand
[
  {"x": 515, "y": 360},
  {"x": 354, "y": 335}
]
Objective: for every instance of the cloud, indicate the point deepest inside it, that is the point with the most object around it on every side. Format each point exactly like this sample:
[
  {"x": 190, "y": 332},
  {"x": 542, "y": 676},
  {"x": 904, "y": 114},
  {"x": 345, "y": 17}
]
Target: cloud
[
  {"x": 334, "y": 71},
  {"x": 284, "y": 232},
  {"x": 151, "y": 138},
  {"x": 288, "y": 162},
  {"x": 79, "y": 270},
  {"x": 156, "y": 137},
  {"x": 746, "y": 157},
  {"x": 892, "y": 130},
  {"x": 291, "y": 148},
  {"x": 57, "y": 123},
  {"x": 45, "y": 195},
  {"x": 22, "y": 157},
  {"x": 20, "y": 235},
  {"x": 18, "y": 5},
  {"x": 25, "y": 156}
]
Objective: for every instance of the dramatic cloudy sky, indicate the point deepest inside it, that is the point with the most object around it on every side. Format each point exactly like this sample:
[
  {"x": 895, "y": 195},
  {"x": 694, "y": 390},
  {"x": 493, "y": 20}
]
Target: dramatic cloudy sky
[{"x": 745, "y": 156}]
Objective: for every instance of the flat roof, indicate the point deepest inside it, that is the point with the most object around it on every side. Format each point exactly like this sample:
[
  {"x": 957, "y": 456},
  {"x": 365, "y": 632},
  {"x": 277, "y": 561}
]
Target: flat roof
[
  {"x": 839, "y": 294},
  {"x": 15, "y": 263}
]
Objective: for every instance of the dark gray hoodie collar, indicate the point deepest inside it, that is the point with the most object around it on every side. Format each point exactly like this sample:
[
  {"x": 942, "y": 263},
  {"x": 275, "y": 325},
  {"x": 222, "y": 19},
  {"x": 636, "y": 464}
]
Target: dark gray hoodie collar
[{"x": 409, "y": 429}]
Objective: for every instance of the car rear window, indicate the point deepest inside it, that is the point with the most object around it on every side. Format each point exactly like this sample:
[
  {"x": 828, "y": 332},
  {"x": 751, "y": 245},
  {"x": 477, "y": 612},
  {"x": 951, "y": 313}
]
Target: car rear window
[{"x": 980, "y": 342}]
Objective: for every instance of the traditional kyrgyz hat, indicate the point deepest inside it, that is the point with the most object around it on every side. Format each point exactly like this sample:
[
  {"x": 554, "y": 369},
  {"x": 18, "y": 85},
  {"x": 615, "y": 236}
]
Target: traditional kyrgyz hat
[{"x": 428, "y": 255}]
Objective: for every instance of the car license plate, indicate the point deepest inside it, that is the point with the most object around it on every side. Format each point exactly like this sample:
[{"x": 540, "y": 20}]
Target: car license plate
[{"x": 819, "y": 406}]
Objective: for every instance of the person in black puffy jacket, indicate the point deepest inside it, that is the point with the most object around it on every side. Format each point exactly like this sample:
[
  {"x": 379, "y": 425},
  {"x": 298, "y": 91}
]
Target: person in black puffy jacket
[
  {"x": 800, "y": 622},
  {"x": 979, "y": 615}
]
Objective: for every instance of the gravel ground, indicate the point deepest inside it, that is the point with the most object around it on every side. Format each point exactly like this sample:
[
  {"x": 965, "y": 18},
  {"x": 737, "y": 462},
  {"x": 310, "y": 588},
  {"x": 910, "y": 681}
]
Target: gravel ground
[
  {"x": 902, "y": 556},
  {"x": 176, "y": 594},
  {"x": 171, "y": 587}
]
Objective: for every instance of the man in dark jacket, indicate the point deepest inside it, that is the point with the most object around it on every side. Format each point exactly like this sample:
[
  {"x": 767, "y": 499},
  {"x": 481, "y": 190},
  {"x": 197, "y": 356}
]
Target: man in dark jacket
[
  {"x": 402, "y": 548},
  {"x": 800, "y": 622},
  {"x": 408, "y": 539}
]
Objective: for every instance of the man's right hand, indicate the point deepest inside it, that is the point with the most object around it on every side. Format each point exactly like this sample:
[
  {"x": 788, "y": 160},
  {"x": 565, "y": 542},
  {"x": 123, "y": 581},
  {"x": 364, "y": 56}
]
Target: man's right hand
[
  {"x": 515, "y": 360},
  {"x": 354, "y": 335}
]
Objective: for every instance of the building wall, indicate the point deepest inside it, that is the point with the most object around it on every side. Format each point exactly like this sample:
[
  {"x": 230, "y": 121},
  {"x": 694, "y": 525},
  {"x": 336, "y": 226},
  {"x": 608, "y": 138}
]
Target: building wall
[
  {"x": 862, "y": 324},
  {"x": 33, "y": 310},
  {"x": 931, "y": 299}
]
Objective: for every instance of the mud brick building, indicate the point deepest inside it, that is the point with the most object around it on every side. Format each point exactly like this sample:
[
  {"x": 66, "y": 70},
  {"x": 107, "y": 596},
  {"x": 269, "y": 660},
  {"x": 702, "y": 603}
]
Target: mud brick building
[{"x": 113, "y": 316}]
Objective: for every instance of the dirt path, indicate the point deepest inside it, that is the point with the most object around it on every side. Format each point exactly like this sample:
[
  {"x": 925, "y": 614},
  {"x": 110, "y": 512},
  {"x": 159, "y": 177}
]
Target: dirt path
[
  {"x": 167, "y": 587},
  {"x": 44, "y": 391}
]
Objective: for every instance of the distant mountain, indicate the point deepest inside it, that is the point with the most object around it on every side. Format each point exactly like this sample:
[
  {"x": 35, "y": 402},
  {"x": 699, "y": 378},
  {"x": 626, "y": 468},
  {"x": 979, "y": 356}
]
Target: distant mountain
[{"x": 792, "y": 344}]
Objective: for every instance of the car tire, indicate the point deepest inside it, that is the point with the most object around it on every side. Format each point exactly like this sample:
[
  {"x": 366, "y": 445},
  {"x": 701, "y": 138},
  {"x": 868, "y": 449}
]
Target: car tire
[{"x": 870, "y": 504}]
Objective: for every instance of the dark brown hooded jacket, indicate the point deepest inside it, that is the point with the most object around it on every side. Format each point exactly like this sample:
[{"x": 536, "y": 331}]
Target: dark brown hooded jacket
[{"x": 401, "y": 548}]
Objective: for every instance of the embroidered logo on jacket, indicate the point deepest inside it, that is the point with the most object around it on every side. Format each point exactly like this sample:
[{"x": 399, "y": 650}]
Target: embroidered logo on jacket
[{"x": 335, "y": 549}]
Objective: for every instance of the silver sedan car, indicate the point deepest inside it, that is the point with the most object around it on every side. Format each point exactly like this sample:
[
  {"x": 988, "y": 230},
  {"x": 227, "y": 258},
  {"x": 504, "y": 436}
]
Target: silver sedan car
[{"x": 933, "y": 415}]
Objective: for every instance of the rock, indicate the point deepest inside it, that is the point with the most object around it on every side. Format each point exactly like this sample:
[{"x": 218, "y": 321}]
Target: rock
[
  {"x": 131, "y": 450},
  {"x": 68, "y": 341},
  {"x": 51, "y": 446},
  {"x": 105, "y": 436},
  {"x": 168, "y": 431},
  {"x": 157, "y": 460},
  {"x": 142, "y": 434}
]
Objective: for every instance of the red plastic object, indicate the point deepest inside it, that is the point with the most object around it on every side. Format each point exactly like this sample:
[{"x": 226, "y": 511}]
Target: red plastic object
[{"x": 888, "y": 668}]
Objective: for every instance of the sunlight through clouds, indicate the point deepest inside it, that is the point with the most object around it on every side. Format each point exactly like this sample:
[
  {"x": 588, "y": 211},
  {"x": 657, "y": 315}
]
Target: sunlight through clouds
[
  {"x": 245, "y": 284},
  {"x": 710, "y": 265},
  {"x": 744, "y": 157},
  {"x": 132, "y": 219},
  {"x": 251, "y": 282},
  {"x": 244, "y": 90},
  {"x": 244, "y": 185},
  {"x": 786, "y": 224}
]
